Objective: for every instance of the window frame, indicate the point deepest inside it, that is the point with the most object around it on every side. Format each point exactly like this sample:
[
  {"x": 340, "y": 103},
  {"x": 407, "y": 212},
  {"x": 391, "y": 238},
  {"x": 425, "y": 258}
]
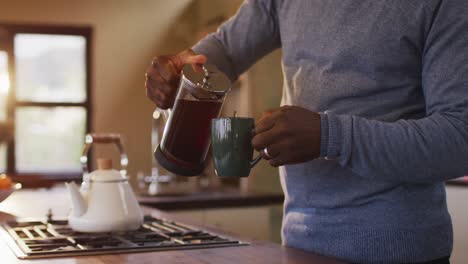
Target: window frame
[{"x": 7, "y": 35}]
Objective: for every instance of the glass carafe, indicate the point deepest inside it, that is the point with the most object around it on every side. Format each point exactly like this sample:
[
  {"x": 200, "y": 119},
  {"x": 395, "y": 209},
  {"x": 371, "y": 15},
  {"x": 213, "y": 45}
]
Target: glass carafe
[{"x": 186, "y": 137}]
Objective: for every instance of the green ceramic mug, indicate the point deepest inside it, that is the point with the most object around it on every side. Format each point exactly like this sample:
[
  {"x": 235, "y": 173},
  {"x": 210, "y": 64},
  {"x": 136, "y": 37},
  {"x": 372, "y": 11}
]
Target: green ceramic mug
[{"x": 231, "y": 146}]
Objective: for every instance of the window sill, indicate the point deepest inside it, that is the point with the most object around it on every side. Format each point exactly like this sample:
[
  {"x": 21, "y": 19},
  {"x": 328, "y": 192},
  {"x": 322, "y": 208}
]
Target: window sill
[{"x": 44, "y": 180}]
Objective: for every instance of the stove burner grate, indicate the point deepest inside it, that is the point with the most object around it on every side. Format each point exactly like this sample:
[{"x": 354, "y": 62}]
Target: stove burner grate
[{"x": 54, "y": 238}]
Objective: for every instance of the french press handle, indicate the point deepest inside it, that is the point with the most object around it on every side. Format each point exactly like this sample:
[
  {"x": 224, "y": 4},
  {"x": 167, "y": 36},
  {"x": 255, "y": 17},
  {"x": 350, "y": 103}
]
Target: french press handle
[{"x": 103, "y": 138}]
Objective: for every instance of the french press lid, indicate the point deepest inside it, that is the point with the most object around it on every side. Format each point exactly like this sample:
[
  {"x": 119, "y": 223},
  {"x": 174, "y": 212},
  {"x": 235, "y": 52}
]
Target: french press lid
[{"x": 208, "y": 84}]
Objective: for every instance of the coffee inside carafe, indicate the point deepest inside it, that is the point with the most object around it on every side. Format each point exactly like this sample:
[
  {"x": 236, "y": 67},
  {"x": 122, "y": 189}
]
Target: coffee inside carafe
[
  {"x": 186, "y": 137},
  {"x": 190, "y": 128}
]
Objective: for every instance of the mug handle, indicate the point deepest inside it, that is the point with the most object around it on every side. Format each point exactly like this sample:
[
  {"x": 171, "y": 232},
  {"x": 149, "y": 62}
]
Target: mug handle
[
  {"x": 258, "y": 158},
  {"x": 255, "y": 161}
]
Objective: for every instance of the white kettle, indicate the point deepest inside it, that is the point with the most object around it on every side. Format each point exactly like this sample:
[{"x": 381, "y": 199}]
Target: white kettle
[{"x": 107, "y": 205}]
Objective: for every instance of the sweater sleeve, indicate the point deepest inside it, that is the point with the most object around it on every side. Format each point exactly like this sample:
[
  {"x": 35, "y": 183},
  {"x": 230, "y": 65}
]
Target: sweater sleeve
[
  {"x": 245, "y": 38},
  {"x": 431, "y": 149}
]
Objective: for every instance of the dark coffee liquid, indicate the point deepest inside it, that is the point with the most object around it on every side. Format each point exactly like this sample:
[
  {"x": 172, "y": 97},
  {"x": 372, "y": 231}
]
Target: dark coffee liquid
[{"x": 187, "y": 136}]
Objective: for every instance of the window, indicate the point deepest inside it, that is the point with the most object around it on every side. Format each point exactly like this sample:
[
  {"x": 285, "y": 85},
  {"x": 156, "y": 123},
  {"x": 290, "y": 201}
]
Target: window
[{"x": 45, "y": 95}]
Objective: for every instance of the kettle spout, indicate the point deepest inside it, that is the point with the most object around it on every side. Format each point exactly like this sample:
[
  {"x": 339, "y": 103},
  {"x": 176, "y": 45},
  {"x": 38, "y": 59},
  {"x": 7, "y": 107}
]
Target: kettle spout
[{"x": 79, "y": 206}]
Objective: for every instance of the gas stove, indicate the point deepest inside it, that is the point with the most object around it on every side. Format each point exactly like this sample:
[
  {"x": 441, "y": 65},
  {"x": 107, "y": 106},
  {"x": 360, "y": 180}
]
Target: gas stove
[{"x": 36, "y": 238}]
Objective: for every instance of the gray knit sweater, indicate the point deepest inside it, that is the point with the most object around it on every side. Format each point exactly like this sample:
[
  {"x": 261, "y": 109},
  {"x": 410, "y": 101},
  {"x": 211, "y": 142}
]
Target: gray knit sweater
[{"x": 390, "y": 78}]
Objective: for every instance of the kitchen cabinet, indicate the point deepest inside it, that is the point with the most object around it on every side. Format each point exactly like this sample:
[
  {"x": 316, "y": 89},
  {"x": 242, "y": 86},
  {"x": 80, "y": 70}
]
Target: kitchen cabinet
[
  {"x": 258, "y": 222},
  {"x": 456, "y": 201}
]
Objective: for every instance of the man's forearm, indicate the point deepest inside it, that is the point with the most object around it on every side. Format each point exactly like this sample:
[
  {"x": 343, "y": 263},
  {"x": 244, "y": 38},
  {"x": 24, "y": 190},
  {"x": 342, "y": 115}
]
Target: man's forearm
[
  {"x": 431, "y": 149},
  {"x": 217, "y": 55},
  {"x": 251, "y": 34}
]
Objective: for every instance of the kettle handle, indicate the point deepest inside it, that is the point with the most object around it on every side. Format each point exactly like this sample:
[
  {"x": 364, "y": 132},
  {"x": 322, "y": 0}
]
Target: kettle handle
[{"x": 103, "y": 138}]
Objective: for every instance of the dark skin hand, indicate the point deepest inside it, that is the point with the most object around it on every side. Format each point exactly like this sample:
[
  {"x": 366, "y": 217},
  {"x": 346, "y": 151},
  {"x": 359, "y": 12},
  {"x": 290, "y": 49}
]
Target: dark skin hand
[
  {"x": 291, "y": 135},
  {"x": 163, "y": 75}
]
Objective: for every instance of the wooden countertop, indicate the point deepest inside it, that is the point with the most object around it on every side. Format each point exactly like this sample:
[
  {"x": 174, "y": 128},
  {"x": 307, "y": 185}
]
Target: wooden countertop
[
  {"x": 35, "y": 203},
  {"x": 212, "y": 199}
]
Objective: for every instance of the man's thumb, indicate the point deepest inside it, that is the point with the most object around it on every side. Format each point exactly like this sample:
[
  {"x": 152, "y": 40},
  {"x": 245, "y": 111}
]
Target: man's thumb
[
  {"x": 197, "y": 62},
  {"x": 189, "y": 57},
  {"x": 195, "y": 59}
]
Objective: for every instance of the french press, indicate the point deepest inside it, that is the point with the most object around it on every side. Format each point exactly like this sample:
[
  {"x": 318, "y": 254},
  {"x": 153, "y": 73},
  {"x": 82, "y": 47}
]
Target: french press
[{"x": 186, "y": 138}]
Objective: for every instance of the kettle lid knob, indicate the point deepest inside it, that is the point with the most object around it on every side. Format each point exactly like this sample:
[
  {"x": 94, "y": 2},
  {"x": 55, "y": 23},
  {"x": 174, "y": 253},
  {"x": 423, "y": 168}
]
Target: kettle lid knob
[{"x": 104, "y": 164}]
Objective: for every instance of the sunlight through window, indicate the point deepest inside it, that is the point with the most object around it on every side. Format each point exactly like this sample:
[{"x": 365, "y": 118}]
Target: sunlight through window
[{"x": 4, "y": 79}]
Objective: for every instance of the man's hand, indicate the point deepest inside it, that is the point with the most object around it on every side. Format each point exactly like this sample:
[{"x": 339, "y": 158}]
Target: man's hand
[
  {"x": 163, "y": 75},
  {"x": 291, "y": 135}
]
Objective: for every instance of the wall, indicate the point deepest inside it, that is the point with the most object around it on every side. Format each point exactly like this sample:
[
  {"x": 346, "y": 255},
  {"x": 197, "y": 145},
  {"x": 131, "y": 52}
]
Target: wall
[
  {"x": 127, "y": 34},
  {"x": 238, "y": 220}
]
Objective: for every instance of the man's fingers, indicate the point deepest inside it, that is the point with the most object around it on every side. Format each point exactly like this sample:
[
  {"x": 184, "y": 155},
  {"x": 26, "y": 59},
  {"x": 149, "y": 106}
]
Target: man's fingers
[
  {"x": 160, "y": 96},
  {"x": 278, "y": 149},
  {"x": 281, "y": 154},
  {"x": 162, "y": 77},
  {"x": 266, "y": 114},
  {"x": 196, "y": 61},
  {"x": 269, "y": 112},
  {"x": 162, "y": 100},
  {"x": 266, "y": 133},
  {"x": 276, "y": 162},
  {"x": 285, "y": 153},
  {"x": 189, "y": 57},
  {"x": 166, "y": 69},
  {"x": 262, "y": 140},
  {"x": 156, "y": 89},
  {"x": 153, "y": 98},
  {"x": 263, "y": 155},
  {"x": 161, "y": 104},
  {"x": 157, "y": 82},
  {"x": 266, "y": 122}
]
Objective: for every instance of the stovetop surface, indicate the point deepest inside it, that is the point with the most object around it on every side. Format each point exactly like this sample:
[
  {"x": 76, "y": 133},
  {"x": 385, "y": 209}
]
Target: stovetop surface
[{"x": 54, "y": 238}]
